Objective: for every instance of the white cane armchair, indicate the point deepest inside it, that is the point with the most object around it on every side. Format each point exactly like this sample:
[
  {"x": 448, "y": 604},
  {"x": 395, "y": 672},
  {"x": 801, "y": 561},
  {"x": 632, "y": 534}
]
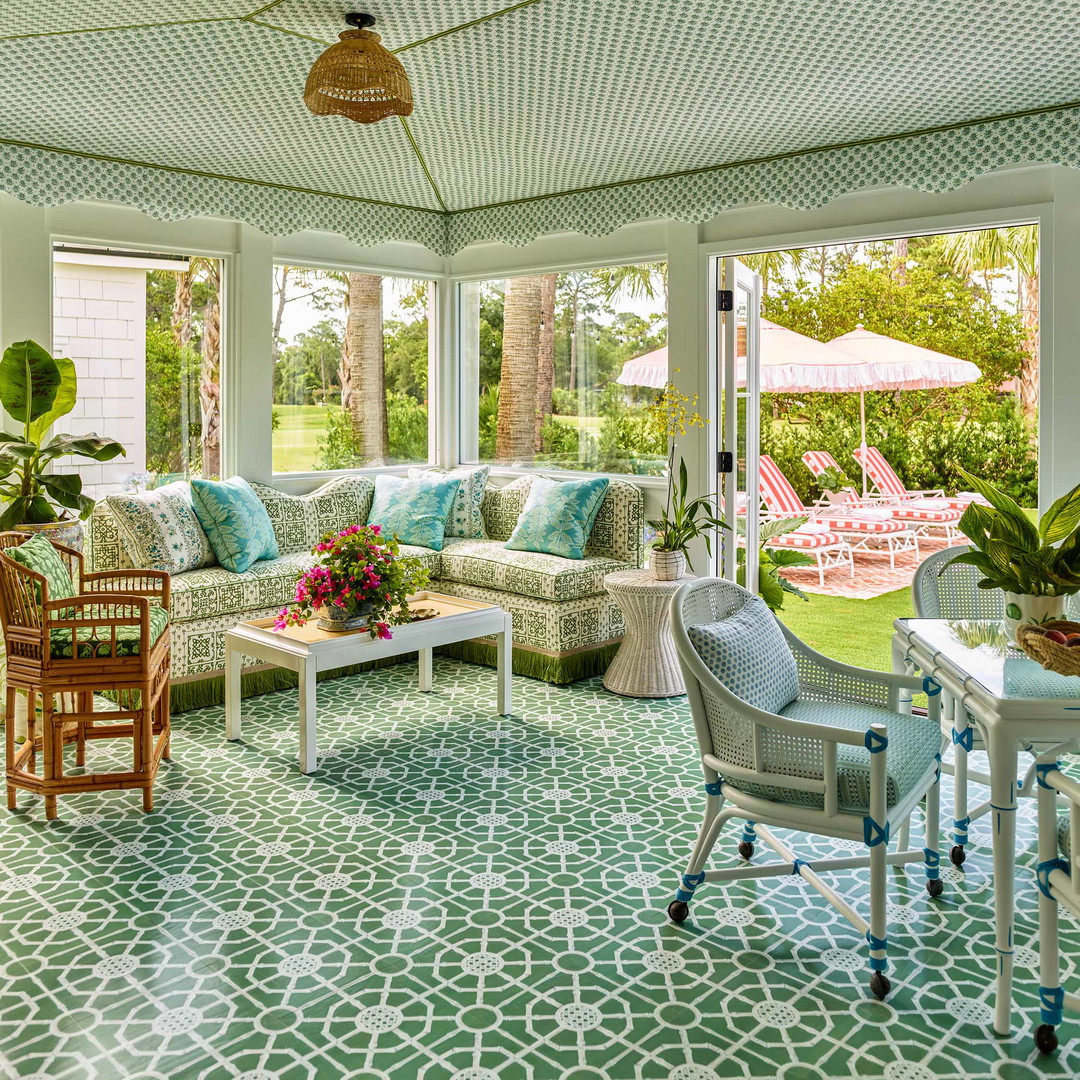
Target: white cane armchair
[{"x": 839, "y": 760}]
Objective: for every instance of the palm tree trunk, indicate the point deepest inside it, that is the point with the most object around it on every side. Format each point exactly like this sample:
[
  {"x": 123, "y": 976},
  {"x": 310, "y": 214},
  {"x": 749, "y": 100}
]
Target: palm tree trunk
[
  {"x": 516, "y": 423},
  {"x": 1028, "y": 296},
  {"x": 900, "y": 257},
  {"x": 545, "y": 359},
  {"x": 210, "y": 380},
  {"x": 181, "y": 310},
  {"x": 366, "y": 369}
]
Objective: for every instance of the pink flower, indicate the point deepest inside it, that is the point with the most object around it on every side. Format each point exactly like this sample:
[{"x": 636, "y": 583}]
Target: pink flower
[
  {"x": 376, "y": 529},
  {"x": 382, "y": 630}
]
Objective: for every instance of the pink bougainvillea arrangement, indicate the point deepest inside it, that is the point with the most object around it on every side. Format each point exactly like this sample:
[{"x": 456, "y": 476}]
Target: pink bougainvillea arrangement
[{"x": 357, "y": 573}]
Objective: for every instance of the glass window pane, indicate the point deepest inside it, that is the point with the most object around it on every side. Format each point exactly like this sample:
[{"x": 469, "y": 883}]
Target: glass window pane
[
  {"x": 145, "y": 334},
  {"x": 558, "y": 370},
  {"x": 350, "y": 360}
]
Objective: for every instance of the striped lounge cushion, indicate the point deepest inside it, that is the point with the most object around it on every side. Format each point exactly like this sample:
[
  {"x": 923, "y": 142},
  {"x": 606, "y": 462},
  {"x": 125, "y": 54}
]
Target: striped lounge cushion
[
  {"x": 940, "y": 515},
  {"x": 801, "y": 539},
  {"x": 877, "y": 525}
]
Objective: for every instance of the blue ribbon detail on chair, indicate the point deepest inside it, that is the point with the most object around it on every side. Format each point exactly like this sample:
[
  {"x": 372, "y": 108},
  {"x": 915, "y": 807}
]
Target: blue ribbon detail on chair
[
  {"x": 798, "y": 864},
  {"x": 712, "y": 789},
  {"x": 1042, "y": 875},
  {"x": 1051, "y": 1004},
  {"x": 875, "y": 943},
  {"x": 748, "y": 834},
  {"x": 873, "y": 833},
  {"x": 964, "y": 739},
  {"x": 933, "y": 861},
  {"x": 930, "y": 687},
  {"x": 875, "y": 743},
  {"x": 960, "y": 828},
  {"x": 689, "y": 883},
  {"x": 1042, "y": 771}
]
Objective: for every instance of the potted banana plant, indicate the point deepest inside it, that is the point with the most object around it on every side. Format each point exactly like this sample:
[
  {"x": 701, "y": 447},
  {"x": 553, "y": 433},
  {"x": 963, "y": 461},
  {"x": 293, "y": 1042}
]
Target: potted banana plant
[
  {"x": 1037, "y": 566},
  {"x": 36, "y": 390}
]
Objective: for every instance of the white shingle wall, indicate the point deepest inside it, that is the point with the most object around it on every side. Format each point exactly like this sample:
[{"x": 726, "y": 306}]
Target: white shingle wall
[{"x": 99, "y": 322}]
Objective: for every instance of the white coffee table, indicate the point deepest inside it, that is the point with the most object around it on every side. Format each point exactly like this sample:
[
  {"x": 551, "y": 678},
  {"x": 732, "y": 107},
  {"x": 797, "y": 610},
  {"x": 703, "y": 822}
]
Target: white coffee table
[{"x": 308, "y": 650}]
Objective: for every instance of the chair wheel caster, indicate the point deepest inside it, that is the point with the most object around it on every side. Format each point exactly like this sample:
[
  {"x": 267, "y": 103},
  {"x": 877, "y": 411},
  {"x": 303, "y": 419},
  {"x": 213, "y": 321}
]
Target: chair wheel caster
[
  {"x": 935, "y": 887},
  {"x": 880, "y": 986},
  {"x": 1046, "y": 1038},
  {"x": 678, "y": 911},
  {"x": 957, "y": 856},
  {"x": 746, "y": 850}
]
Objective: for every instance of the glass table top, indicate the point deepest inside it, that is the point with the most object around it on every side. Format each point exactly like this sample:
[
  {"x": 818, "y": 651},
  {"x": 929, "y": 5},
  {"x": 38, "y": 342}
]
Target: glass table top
[{"x": 979, "y": 648}]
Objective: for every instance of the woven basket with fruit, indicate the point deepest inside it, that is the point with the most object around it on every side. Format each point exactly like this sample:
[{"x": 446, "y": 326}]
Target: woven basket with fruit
[{"x": 1054, "y": 644}]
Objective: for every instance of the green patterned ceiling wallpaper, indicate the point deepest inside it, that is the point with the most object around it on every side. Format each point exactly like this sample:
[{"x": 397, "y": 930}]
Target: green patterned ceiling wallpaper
[{"x": 531, "y": 116}]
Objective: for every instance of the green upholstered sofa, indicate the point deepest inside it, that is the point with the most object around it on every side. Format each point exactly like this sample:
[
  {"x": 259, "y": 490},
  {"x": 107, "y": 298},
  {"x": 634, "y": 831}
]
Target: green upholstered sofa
[{"x": 565, "y": 626}]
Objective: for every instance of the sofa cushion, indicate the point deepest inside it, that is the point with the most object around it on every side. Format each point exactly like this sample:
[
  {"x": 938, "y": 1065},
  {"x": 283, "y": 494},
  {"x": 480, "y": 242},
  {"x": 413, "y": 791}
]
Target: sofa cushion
[
  {"x": 160, "y": 529},
  {"x": 235, "y": 522},
  {"x": 558, "y": 516},
  {"x": 617, "y": 533},
  {"x": 414, "y": 511},
  {"x": 464, "y": 520},
  {"x": 208, "y": 594},
  {"x": 300, "y": 521},
  {"x": 489, "y": 565}
]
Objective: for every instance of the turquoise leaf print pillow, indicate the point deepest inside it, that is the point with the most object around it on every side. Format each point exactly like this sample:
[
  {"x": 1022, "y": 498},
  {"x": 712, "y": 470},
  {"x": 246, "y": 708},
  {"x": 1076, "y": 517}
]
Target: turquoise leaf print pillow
[
  {"x": 235, "y": 522},
  {"x": 558, "y": 517},
  {"x": 413, "y": 510}
]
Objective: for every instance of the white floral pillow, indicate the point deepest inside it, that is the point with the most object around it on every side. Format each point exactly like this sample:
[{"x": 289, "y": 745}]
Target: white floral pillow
[
  {"x": 161, "y": 529},
  {"x": 464, "y": 520}
]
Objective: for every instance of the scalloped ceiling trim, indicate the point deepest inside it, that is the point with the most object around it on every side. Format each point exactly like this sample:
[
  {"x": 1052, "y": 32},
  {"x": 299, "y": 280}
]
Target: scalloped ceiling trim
[{"x": 932, "y": 162}]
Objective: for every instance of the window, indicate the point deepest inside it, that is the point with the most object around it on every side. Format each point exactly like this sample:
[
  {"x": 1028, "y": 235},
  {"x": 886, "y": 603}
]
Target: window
[
  {"x": 144, "y": 332},
  {"x": 350, "y": 358},
  {"x": 558, "y": 370}
]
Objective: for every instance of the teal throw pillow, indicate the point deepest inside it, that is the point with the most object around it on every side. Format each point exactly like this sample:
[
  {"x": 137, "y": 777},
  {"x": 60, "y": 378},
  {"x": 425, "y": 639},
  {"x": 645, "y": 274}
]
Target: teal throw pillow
[
  {"x": 413, "y": 510},
  {"x": 39, "y": 555},
  {"x": 558, "y": 517},
  {"x": 747, "y": 652},
  {"x": 235, "y": 522}
]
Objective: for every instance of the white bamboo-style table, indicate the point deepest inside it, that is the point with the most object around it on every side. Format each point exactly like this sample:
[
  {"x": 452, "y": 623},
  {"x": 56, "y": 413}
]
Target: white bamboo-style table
[
  {"x": 1016, "y": 706},
  {"x": 646, "y": 664},
  {"x": 308, "y": 650}
]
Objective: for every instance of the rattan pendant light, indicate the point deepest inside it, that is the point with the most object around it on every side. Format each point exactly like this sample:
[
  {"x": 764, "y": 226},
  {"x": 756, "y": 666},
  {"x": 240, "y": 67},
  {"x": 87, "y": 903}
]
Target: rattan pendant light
[{"x": 358, "y": 78}]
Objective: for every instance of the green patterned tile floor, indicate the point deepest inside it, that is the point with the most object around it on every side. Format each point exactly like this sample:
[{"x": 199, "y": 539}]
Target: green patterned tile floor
[{"x": 460, "y": 896}]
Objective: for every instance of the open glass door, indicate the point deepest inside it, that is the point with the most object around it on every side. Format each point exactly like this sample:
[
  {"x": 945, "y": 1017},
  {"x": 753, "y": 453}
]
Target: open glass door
[{"x": 738, "y": 302}]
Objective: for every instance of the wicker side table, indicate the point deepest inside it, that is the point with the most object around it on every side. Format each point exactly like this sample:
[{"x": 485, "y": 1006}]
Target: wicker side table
[{"x": 646, "y": 665}]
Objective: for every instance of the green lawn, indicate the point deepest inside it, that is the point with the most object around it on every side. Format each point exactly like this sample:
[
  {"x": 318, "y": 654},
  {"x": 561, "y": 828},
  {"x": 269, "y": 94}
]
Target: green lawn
[
  {"x": 299, "y": 427},
  {"x": 855, "y": 631}
]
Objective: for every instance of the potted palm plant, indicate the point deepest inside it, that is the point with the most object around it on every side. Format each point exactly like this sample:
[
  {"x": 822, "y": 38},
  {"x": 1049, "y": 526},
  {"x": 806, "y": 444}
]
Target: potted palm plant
[
  {"x": 1037, "y": 566},
  {"x": 36, "y": 390},
  {"x": 681, "y": 521}
]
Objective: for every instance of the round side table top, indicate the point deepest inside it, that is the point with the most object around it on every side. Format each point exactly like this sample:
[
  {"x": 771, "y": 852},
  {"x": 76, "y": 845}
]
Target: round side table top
[{"x": 641, "y": 580}]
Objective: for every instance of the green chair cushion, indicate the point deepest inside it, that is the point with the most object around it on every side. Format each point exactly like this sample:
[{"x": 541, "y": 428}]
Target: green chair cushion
[
  {"x": 914, "y": 742},
  {"x": 39, "y": 555},
  {"x": 128, "y": 638}
]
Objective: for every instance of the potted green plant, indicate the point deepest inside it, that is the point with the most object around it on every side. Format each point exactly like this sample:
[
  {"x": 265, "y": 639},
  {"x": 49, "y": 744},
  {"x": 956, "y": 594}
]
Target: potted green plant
[
  {"x": 681, "y": 521},
  {"x": 1037, "y": 566},
  {"x": 835, "y": 485},
  {"x": 772, "y": 585},
  {"x": 36, "y": 390}
]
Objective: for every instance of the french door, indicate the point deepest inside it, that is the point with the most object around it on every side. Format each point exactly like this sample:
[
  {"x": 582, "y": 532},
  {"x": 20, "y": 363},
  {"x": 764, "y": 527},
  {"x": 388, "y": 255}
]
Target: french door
[{"x": 738, "y": 342}]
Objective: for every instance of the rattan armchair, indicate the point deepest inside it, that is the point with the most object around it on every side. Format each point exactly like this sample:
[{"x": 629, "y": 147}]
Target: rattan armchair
[
  {"x": 62, "y": 652},
  {"x": 840, "y": 760}
]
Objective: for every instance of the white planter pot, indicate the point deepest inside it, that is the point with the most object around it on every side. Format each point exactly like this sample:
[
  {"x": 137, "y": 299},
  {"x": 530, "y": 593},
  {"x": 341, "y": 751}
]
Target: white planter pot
[
  {"x": 667, "y": 565},
  {"x": 836, "y": 498},
  {"x": 1021, "y": 609}
]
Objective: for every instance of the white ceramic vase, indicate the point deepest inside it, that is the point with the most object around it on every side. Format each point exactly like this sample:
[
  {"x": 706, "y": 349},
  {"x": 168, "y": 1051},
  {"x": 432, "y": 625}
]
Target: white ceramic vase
[
  {"x": 1021, "y": 609},
  {"x": 667, "y": 565}
]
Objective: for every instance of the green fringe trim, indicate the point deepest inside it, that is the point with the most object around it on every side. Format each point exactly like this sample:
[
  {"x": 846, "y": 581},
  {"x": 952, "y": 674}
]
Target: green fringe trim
[
  {"x": 537, "y": 665},
  {"x": 200, "y": 693}
]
